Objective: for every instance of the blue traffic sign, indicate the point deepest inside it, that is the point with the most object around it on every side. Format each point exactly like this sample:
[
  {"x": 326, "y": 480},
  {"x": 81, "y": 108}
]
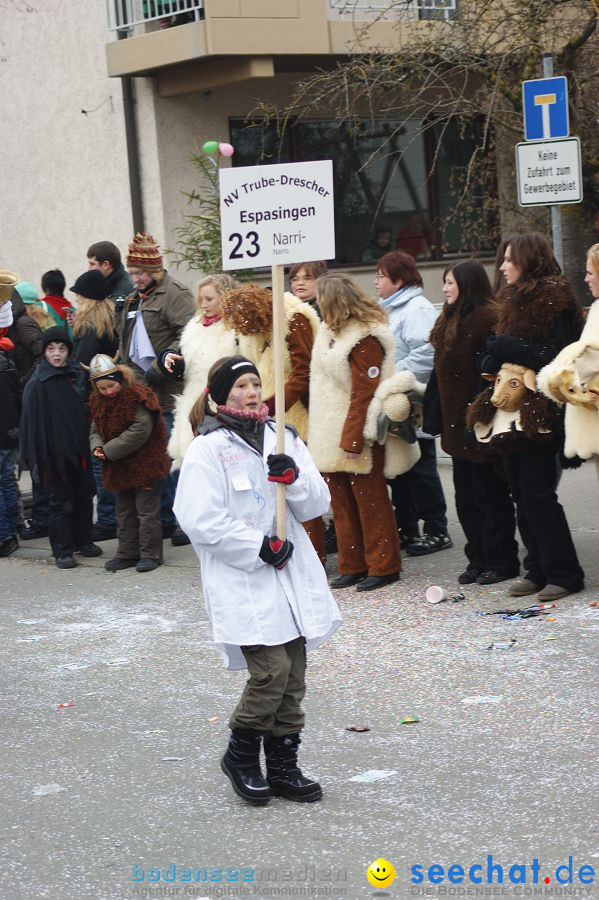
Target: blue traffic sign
[{"x": 545, "y": 106}]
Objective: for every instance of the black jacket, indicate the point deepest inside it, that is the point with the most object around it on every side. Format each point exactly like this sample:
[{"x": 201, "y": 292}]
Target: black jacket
[
  {"x": 10, "y": 403},
  {"x": 54, "y": 434},
  {"x": 88, "y": 344},
  {"x": 26, "y": 335},
  {"x": 119, "y": 284}
]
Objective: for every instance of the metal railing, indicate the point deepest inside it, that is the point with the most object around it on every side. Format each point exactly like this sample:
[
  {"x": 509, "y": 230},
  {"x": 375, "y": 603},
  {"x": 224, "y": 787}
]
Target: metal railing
[
  {"x": 393, "y": 9},
  {"x": 127, "y": 15}
]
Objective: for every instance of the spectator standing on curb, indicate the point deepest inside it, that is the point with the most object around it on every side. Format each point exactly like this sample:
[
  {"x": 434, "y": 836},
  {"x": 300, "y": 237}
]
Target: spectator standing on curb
[
  {"x": 151, "y": 325},
  {"x": 61, "y": 309},
  {"x": 26, "y": 336},
  {"x": 106, "y": 258},
  {"x": 128, "y": 437},
  {"x": 539, "y": 315},
  {"x": 94, "y": 332},
  {"x": 353, "y": 353},
  {"x": 204, "y": 340},
  {"x": 482, "y": 495},
  {"x": 417, "y": 494},
  {"x": 10, "y": 403},
  {"x": 54, "y": 437}
]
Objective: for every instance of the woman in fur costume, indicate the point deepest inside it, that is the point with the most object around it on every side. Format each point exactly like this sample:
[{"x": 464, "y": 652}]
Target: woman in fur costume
[
  {"x": 129, "y": 435},
  {"x": 483, "y": 502},
  {"x": 572, "y": 377},
  {"x": 248, "y": 312},
  {"x": 204, "y": 340},
  {"x": 353, "y": 354},
  {"x": 539, "y": 315}
]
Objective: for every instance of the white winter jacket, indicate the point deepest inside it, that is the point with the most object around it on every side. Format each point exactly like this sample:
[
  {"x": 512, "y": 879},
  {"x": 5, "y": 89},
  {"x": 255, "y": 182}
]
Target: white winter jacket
[{"x": 226, "y": 505}]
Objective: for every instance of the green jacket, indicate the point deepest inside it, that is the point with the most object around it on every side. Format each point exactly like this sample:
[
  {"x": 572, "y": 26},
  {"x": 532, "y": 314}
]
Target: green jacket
[{"x": 166, "y": 312}]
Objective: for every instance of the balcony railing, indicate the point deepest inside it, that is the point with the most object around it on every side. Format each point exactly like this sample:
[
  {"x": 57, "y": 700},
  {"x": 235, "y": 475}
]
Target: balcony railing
[
  {"x": 127, "y": 15},
  {"x": 392, "y": 9}
]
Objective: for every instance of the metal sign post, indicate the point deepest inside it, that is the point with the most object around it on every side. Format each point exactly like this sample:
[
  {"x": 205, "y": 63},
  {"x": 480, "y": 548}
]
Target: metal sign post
[{"x": 547, "y": 126}]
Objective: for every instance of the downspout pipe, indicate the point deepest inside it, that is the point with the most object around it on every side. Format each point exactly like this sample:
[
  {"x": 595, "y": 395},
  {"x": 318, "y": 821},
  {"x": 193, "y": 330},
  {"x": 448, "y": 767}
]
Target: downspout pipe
[{"x": 137, "y": 209}]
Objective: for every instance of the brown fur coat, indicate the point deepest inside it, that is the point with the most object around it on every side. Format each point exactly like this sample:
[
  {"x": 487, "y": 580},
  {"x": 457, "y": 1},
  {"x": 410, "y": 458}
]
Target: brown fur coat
[
  {"x": 532, "y": 315},
  {"x": 112, "y": 416},
  {"x": 458, "y": 380},
  {"x": 535, "y": 317}
]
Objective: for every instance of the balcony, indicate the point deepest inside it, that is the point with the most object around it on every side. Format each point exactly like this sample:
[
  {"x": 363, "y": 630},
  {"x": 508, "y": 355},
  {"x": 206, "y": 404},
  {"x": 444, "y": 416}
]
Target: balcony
[{"x": 197, "y": 45}]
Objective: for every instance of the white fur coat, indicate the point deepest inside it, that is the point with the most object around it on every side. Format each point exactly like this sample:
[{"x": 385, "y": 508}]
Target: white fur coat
[
  {"x": 330, "y": 391},
  {"x": 582, "y": 425},
  {"x": 200, "y": 346}
]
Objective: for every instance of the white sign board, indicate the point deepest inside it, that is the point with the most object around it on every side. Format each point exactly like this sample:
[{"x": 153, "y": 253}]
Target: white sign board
[
  {"x": 276, "y": 215},
  {"x": 549, "y": 172}
]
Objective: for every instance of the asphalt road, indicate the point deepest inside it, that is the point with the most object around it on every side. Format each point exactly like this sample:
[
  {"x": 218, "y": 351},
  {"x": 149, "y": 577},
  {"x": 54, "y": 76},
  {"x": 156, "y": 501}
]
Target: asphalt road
[{"x": 114, "y": 706}]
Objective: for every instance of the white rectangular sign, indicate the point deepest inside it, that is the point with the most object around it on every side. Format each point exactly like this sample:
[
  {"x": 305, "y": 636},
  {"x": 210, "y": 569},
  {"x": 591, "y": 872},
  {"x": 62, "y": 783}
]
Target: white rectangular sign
[
  {"x": 277, "y": 215},
  {"x": 549, "y": 172}
]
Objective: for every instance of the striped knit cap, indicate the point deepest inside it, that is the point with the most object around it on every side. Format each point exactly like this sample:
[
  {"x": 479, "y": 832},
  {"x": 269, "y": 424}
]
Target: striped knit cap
[{"x": 144, "y": 253}]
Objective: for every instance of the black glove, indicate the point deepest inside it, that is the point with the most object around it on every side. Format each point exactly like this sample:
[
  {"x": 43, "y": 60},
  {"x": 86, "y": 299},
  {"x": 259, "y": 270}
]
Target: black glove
[
  {"x": 153, "y": 378},
  {"x": 282, "y": 468},
  {"x": 275, "y": 552}
]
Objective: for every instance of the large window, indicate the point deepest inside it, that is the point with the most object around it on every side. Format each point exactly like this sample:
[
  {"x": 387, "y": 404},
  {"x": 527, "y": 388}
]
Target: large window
[{"x": 395, "y": 187}]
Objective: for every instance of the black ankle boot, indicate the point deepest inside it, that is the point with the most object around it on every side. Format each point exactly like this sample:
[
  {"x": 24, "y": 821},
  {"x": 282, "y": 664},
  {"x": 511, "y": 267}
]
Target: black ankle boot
[
  {"x": 283, "y": 773},
  {"x": 241, "y": 764}
]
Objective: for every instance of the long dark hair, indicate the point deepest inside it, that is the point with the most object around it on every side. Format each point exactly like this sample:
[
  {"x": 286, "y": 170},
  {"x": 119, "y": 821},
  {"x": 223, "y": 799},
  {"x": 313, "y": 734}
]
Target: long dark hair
[
  {"x": 534, "y": 256},
  {"x": 475, "y": 291}
]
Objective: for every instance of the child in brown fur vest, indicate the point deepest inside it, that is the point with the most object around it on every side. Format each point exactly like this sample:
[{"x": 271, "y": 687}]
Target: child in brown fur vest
[{"x": 129, "y": 436}]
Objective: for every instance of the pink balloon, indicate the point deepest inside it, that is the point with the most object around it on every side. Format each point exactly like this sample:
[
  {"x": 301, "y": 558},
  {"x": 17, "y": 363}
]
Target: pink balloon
[{"x": 226, "y": 149}]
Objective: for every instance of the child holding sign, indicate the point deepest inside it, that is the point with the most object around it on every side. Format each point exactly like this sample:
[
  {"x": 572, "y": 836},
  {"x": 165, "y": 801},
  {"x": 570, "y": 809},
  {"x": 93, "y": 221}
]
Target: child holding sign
[{"x": 267, "y": 599}]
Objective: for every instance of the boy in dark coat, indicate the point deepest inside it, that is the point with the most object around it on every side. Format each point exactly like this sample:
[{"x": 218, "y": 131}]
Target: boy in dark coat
[
  {"x": 10, "y": 396},
  {"x": 54, "y": 440}
]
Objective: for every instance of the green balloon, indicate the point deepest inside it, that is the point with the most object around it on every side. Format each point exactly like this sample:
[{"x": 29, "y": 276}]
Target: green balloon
[{"x": 210, "y": 147}]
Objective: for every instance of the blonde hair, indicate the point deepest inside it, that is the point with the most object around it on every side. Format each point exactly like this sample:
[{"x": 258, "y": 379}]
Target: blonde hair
[
  {"x": 593, "y": 258},
  {"x": 95, "y": 314},
  {"x": 341, "y": 300},
  {"x": 221, "y": 283}
]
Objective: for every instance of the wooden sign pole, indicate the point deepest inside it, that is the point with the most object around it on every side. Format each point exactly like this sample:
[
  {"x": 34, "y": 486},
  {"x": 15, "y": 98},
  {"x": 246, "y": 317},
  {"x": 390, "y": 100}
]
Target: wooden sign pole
[{"x": 278, "y": 344}]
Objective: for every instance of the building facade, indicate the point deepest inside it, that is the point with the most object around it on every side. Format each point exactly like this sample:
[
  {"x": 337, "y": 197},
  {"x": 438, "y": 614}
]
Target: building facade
[{"x": 105, "y": 103}]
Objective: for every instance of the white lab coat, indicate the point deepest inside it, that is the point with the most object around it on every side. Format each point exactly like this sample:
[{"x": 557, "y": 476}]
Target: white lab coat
[{"x": 226, "y": 506}]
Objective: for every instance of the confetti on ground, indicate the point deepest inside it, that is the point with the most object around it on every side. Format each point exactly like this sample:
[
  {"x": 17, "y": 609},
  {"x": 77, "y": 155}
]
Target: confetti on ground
[
  {"x": 75, "y": 667},
  {"x": 358, "y": 728},
  {"x": 502, "y": 645},
  {"x": 552, "y": 637},
  {"x": 370, "y": 776},
  {"x": 409, "y": 720},
  {"x": 64, "y": 705},
  {"x": 42, "y": 790},
  {"x": 480, "y": 699},
  {"x": 172, "y": 759},
  {"x": 214, "y": 719}
]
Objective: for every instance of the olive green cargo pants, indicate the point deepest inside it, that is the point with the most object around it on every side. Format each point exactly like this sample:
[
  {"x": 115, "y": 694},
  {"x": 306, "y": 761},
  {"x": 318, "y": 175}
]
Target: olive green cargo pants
[{"x": 271, "y": 699}]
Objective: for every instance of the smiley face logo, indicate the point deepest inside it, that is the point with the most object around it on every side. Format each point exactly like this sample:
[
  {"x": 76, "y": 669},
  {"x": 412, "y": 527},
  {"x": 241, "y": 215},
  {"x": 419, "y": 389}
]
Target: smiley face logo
[{"x": 380, "y": 873}]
